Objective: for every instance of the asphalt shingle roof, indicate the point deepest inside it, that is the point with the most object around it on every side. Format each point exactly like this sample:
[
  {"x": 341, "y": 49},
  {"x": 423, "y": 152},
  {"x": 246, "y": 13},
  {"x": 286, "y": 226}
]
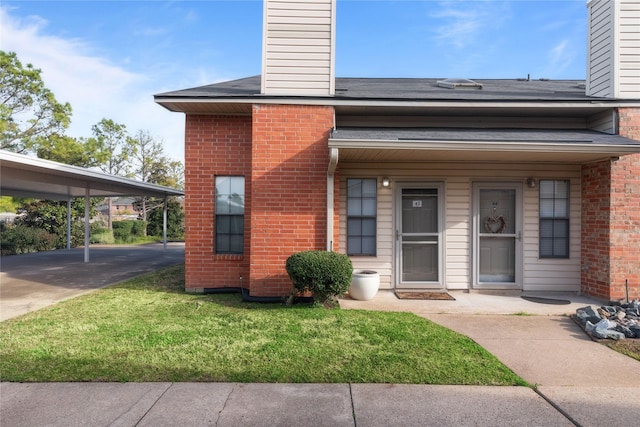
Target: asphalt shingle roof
[{"x": 408, "y": 89}]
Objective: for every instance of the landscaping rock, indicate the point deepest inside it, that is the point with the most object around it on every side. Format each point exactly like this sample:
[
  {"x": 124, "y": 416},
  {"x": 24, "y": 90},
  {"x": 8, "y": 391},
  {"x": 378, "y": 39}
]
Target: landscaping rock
[{"x": 611, "y": 322}]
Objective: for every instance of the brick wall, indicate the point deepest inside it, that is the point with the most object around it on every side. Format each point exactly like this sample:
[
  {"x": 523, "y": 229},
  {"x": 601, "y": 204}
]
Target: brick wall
[
  {"x": 625, "y": 212},
  {"x": 611, "y": 220},
  {"x": 596, "y": 200},
  {"x": 214, "y": 145},
  {"x": 289, "y": 190}
]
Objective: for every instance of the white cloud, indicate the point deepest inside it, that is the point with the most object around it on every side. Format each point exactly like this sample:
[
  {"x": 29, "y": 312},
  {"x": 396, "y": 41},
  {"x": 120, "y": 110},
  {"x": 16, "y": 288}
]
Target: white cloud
[
  {"x": 461, "y": 22},
  {"x": 96, "y": 88},
  {"x": 561, "y": 56}
]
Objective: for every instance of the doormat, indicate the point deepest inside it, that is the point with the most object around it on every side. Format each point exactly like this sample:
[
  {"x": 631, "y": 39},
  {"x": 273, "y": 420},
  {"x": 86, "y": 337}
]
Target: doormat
[
  {"x": 443, "y": 296},
  {"x": 547, "y": 300}
]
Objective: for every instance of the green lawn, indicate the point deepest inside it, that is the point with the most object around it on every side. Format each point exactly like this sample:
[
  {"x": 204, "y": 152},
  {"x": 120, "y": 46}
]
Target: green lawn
[{"x": 149, "y": 329}]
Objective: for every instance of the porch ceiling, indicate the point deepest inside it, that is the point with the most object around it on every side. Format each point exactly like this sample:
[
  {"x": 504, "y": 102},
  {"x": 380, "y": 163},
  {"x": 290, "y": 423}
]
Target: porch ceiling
[{"x": 469, "y": 145}]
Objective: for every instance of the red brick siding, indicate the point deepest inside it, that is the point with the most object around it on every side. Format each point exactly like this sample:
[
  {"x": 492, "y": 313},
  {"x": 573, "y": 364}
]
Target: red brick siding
[
  {"x": 596, "y": 180},
  {"x": 214, "y": 145},
  {"x": 611, "y": 220},
  {"x": 288, "y": 190},
  {"x": 625, "y": 212}
]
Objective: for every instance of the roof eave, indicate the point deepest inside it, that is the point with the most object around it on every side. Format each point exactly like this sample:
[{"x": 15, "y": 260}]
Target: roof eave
[{"x": 502, "y": 146}]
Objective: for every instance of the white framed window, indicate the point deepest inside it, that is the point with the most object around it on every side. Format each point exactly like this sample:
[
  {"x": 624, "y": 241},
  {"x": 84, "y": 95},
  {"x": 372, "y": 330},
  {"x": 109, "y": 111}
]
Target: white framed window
[
  {"x": 229, "y": 215},
  {"x": 554, "y": 218},
  {"x": 361, "y": 216}
]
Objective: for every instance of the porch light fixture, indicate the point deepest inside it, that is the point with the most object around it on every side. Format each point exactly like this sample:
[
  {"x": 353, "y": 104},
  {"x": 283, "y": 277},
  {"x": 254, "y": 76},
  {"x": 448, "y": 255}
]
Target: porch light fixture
[
  {"x": 531, "y": 182},
  {"x": 386, "y": 182}
]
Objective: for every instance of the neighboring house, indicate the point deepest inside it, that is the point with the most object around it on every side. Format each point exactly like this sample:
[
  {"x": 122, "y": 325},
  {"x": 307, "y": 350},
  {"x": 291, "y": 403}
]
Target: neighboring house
[
  {"x": 529, "y": 185},
  {"x": 122, "y": 208}
]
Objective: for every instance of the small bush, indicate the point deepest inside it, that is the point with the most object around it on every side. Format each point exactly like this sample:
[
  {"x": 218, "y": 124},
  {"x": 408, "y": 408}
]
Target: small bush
[
  {"x": 103, "y": 236},
  {"x": 128, "y": 231},
  {"x": 21, "y": 239},
  {"x": 326, "y": 275}
]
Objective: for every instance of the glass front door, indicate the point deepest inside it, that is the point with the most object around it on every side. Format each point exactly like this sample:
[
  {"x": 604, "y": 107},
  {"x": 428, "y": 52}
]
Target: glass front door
[
  {"x": 498, "y": 235},
  {"x": 419, "y": 237}
]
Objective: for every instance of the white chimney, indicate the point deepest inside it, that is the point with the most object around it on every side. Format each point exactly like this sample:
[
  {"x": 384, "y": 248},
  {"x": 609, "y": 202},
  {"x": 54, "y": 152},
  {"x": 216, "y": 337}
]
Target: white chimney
[
  {"x": 298, "y": 47},
  {"x": 613, "y": 51}
]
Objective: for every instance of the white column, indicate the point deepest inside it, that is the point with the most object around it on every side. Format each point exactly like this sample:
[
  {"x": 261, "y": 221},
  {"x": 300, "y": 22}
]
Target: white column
[
  {"x": 87, "y": 213},
  {"x": 69, "y": 223},
  {"x": 164, "y": 223}
]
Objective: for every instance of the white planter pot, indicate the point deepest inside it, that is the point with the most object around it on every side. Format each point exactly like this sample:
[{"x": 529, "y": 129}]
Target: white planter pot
[{"x": 364, "y": 284}]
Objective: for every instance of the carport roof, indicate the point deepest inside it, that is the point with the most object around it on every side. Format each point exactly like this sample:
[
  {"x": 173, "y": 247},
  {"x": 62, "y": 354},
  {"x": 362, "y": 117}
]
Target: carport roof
[{"x": 24, "y": 176}]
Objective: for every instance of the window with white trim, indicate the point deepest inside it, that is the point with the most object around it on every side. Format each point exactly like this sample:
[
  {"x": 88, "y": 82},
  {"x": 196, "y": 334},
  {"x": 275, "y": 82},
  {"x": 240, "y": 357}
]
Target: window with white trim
[
  {"x": 229, "y": 215},
  {"x": 554, "y": 218},
  {"x": 361, "y": 216}
]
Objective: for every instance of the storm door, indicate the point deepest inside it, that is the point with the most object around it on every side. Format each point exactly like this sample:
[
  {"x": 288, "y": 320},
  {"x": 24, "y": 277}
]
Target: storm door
[
  {"x": 419, "y": 236},
  {"x": 498, "y": 236}
]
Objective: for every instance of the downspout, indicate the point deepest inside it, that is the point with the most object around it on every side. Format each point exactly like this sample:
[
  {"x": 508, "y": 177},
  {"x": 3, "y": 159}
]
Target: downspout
[{"x": 333, "y": 164}]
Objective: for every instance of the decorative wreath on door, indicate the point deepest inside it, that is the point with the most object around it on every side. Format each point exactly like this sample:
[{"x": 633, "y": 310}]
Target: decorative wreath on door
[{"x": 495, "y": 224}]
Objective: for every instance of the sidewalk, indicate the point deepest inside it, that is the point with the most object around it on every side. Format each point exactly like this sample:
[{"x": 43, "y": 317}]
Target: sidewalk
[{"x": 232, "y": 404}]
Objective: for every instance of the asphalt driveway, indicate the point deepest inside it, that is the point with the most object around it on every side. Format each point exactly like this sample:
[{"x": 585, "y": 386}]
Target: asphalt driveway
[{"x": 31, "y": 281}]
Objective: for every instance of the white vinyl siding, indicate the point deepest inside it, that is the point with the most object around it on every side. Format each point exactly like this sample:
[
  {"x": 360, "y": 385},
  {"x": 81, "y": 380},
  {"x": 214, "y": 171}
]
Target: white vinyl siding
[
  {"x": 298, "y": 47},
  {"x": 613, "y": 57},
  {"x": 629, "y": 49},
  {"x": 538, "y": 274}
]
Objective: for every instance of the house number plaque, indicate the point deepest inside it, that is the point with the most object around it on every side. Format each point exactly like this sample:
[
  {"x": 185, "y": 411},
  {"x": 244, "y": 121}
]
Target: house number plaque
[{"x": 417, "y": 203}]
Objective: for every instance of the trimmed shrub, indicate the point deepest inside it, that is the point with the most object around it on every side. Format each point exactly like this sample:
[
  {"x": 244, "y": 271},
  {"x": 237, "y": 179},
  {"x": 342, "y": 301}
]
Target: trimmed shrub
[{"x": 326, "y": 275}]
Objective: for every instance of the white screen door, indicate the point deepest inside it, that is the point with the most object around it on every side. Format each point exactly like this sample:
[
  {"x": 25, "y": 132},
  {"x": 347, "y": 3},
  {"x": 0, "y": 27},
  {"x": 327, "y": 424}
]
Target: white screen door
[
  {"x": 418, "y": 236},
  {"x": 497, "y": 236}
]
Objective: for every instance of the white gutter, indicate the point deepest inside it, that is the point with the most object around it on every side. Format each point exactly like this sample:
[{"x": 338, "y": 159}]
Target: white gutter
[
  {"x": 341, "y": 102},
  {"x": 520, "y": 146},
  {"x": 333, "y": 164}
]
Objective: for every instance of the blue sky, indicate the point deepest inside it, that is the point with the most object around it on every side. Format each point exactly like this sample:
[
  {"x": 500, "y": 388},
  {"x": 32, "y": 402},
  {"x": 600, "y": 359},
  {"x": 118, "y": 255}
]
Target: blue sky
[{"x": 108, "y": 58}]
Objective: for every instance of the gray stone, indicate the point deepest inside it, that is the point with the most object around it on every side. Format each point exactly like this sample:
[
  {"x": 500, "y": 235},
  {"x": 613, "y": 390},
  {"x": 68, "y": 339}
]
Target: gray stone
[
  {"x": 587, "y": 314},
  {"x": 628, "y": 333}
]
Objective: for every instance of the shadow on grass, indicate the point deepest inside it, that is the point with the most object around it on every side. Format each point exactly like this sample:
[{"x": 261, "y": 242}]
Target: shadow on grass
[{"x": 172, "y": 280}]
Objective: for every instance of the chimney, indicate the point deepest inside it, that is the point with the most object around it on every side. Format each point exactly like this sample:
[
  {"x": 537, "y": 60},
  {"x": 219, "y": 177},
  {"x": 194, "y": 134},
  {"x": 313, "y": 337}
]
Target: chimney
[
  {"x": 298, "y": 47},
  {"x": 613, "y": 50}
]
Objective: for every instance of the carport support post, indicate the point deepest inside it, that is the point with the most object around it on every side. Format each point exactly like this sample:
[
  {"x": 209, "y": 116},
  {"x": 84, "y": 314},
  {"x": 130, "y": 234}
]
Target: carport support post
[
  {"x": 164, "y": 223},
  {"x": 87, "y": 212},
  {"x": 69, "y": 224}
]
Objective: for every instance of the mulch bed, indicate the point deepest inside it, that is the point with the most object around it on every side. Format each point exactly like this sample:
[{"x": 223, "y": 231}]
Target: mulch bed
[{"x": 441, "y": 296}]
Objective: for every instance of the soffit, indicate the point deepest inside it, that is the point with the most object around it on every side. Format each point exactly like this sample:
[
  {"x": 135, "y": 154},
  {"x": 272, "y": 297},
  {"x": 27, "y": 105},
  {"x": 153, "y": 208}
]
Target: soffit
[{"x": 471, "y": 145}]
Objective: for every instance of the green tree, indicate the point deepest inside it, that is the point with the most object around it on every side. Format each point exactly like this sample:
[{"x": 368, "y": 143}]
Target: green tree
[
  {"x": 68, "y": 150},
  {"x": 28, "y": 110},
  {"x": 175, "y": 220},
  {"x": 112, "y": 152},
  {"x": 153, "y": 166},
  {"x": 51, "y": 216}
]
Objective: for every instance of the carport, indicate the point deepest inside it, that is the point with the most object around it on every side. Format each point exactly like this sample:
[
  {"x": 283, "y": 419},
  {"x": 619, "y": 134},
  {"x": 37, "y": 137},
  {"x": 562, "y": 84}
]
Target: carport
[{"x": 24, "y": 176}]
